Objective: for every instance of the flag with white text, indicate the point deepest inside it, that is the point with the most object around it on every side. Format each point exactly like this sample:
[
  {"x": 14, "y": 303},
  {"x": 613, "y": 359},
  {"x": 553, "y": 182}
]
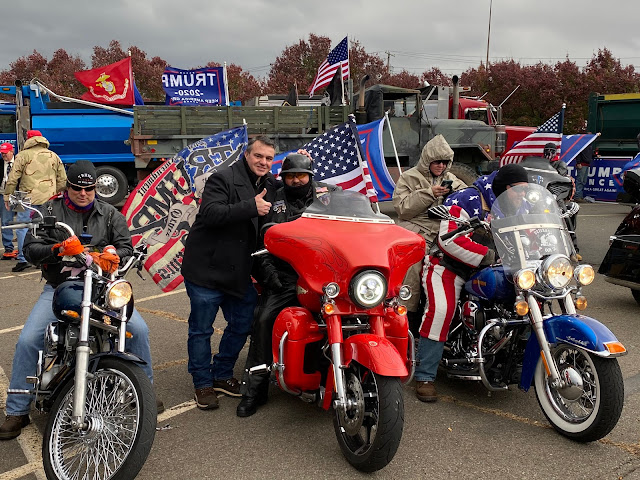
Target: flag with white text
[
  {"x": 533, "y": 145},
  {"x": 162, "y": 208},
  {"x": 337, "y": 58}
]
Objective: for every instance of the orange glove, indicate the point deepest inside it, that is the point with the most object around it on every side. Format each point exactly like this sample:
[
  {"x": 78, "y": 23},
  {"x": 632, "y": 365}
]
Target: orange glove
[
  {"x": 70, "y": 247},
  {"x": 108, "y": 260}
]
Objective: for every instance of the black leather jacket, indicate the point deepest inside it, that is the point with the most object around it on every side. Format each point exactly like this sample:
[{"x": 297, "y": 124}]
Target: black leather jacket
[{"x": 105, "y": 223}]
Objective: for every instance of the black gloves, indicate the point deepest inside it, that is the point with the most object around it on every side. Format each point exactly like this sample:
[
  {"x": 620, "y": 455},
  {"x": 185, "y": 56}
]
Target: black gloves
[{"x": 489, "y": 258}]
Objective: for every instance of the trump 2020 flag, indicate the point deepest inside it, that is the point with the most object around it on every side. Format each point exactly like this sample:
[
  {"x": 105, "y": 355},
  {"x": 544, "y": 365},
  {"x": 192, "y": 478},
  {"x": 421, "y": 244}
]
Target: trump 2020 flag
[
  {"x": 161, "y": 210},
  {"x": 371, "y": 140},
  {"x": 533, "y": 145},
  {"x": 337, "y": 58},
  {"x": 203, "y": 86},
  {"x": 572, "y": 145},
  {"x": 112, "y": 84},
  {"x": 338, "y": 159}
]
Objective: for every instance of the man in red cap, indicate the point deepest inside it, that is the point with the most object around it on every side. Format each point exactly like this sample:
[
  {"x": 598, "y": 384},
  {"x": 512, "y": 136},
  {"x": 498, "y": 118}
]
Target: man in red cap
[
  {"x": 6, "y": 150},
  {"x": 40, "y": 173}
]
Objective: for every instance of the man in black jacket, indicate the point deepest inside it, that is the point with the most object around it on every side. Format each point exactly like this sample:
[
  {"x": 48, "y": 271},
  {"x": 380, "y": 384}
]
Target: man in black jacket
[
  {"x": 276, "y": 276},
  {"x": 217, "y": 267},
  {"x": 103, "y": 225}
]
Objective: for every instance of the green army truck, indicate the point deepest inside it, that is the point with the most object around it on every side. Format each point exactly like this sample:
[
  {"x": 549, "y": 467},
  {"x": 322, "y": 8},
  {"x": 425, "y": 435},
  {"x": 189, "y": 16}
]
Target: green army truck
[
  {"x": 161, "y": 131},
  {"x": 616, "y": 118}
]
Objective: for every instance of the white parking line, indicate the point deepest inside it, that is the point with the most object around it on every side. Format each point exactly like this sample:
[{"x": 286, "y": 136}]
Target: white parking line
[
  {"x": 160, "y": 295},
  {"x": 11, "y": 329}
]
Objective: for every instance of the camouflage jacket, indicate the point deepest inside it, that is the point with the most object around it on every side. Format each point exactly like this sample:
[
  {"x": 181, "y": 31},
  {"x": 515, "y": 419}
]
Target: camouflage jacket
[{"x": 37, "y": 171}]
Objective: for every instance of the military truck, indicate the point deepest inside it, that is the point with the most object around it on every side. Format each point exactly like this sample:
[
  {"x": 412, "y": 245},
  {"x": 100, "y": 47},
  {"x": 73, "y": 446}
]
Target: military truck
[{"x": 616, "y": 118}]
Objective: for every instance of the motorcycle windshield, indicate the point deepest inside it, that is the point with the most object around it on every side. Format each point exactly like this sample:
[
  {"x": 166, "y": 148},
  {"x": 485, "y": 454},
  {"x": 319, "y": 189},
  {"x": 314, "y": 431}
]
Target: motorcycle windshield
[
  {"x": 527, "y": 227},
  {"x": 345, "y": 206}
]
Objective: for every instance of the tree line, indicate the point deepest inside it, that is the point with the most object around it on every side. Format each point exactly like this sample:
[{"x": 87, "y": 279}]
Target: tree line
[{"x": 543, "y": 87}]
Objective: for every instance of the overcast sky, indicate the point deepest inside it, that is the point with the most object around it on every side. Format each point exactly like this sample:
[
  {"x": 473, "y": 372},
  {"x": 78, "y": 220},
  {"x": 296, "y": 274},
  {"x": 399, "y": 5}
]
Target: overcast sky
[{"x": 451, "y": 35}]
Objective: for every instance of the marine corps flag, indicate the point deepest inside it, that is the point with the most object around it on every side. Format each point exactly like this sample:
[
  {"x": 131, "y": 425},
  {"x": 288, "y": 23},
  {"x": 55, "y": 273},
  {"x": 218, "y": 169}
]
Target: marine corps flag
[{"x": 111, "y": 84}]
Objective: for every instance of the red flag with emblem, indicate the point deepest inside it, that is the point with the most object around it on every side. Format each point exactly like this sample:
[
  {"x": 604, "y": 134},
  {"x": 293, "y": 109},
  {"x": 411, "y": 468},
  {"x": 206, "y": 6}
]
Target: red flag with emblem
[{"x": 111, "y": 84}]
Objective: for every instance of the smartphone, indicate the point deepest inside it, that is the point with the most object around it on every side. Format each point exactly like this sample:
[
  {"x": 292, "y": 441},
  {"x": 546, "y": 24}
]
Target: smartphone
[{"x": 447, "y": 183}]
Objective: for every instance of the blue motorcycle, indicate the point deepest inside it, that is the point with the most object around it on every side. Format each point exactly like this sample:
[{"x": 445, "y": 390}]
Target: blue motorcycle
[{"x": 517, "y": 320}]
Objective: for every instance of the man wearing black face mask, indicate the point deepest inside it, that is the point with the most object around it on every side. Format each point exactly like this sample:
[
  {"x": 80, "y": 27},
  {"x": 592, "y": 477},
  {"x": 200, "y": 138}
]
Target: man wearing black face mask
[{"x": 277, "y": 278}]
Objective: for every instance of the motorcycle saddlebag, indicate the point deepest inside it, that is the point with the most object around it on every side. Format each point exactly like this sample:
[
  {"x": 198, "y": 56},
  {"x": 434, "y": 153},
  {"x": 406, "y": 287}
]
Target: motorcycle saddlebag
[{"x": 622, "y": 261}]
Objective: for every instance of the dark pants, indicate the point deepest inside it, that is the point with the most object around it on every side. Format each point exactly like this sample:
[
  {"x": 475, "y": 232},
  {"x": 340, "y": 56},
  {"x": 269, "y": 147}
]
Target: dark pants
[{"x": 260, "y": 351}]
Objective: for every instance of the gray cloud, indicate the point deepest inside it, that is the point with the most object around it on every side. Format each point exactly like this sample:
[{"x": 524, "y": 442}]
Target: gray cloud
[{"x": 252, "y": 33}]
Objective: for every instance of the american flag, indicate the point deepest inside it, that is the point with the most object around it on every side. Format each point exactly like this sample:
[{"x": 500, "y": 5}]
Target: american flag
[
  {"x": 338, "y": 160},
  {"x": 533, "y": 145},
  {"x": 338, "y": 57}
]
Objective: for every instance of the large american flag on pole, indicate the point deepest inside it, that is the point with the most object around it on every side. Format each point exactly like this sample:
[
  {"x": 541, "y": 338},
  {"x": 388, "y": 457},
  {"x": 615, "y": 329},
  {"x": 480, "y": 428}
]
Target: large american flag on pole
[
  {"x": 338, "y": 159},
  {"x": 533, "y": 145},
  {"x": 338, "y": 57}
]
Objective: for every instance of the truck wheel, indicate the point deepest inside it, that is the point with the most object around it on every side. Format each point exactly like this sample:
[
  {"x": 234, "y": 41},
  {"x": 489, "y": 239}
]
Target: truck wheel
[
  {"x": 464, "y": 173},
  {"x": 112, "y": 185}
]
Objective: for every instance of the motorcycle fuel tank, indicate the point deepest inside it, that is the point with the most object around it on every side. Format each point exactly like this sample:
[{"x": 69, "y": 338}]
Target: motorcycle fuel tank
[{"x": 490, "y": 283}]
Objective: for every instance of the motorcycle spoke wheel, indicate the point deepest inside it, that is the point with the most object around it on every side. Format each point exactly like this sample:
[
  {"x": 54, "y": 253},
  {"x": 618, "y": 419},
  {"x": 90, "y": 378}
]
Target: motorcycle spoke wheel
[
  {"x": 114, "y": 416},
  {"x": 370, "y": 429},
  {"x": 586, "y": 411}
]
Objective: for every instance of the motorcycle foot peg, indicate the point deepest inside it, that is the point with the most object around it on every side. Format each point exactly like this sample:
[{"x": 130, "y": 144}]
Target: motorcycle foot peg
[
  {"x": 32, "y": 380},
  {"x": 259, "y": 369},
  {"x": 18, "y": 391}
]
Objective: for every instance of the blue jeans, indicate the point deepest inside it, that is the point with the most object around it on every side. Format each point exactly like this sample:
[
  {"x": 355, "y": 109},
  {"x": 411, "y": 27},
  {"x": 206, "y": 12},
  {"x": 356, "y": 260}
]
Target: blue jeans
[
  {"x": 238, "y": 312},
  {"x": 31, "y": 340},
  {"x": 581, "y": 180},
  {"x": 429, "y": 355},
  {"x": 24, "y": 216},
  {"x": 7, "y": 235}
]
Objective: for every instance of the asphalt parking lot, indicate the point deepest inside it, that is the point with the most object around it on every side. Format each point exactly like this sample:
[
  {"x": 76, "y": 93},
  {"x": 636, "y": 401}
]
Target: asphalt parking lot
[{"x": 468, "y": 433}]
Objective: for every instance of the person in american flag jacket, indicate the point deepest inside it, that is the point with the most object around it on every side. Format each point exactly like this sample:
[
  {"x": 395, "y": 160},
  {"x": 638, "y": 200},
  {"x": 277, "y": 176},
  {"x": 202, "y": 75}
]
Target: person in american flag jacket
[{"x": 447, "y": 268}]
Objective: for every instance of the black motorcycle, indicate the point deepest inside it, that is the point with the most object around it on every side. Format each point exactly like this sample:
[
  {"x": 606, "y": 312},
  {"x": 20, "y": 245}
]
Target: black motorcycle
[
  {"x": 621, "y": 264},
  {"x": 102, "y": 405}
]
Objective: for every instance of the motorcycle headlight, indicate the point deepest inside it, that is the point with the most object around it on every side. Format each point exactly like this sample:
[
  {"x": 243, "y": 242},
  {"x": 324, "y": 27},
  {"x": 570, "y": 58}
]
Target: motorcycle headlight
[
  {"x": 368, "y": 289},
  {"x": 584, "y": 274},
  {"x": 557, "y": 271},
  {"x": 525, "y": 279},
  {"x": 119, "y": 294}
]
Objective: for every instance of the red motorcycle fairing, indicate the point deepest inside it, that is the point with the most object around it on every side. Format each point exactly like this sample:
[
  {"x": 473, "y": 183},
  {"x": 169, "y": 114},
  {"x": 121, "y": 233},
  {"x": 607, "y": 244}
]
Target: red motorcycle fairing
[
  {"x": 322, "y": 251},
  {"x": 378, "y": 354},
  {"x": 301, "y": 329}
]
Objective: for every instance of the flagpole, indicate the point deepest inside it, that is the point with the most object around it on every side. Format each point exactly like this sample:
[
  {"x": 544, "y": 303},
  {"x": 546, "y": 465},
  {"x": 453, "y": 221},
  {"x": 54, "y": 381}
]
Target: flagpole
[
  {"x": 226, "y": 84},
  {"x": 393, "y": 142}
]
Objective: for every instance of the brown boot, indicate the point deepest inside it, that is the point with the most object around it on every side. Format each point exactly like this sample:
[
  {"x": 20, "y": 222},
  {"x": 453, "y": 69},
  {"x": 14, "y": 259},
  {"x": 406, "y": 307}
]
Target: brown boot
[
  {"x": 206, "y": 398},
  {"x": 426, "y": 392},
  {"x": 13, "y": 425}
]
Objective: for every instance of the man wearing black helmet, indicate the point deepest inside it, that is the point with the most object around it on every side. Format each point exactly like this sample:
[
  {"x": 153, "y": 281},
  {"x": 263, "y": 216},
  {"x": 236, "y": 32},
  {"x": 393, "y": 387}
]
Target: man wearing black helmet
[{"x": 276, "y": 276}]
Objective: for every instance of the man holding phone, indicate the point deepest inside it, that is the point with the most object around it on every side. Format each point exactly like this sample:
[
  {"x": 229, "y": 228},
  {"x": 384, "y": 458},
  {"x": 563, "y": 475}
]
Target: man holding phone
[{"x": 418, "y": 189}]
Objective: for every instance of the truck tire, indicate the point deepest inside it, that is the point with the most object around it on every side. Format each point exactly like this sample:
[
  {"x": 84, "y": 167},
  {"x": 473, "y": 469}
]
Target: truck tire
[
  {"x": 464, "y": 173},
  {"x": 112, "y": 185}
]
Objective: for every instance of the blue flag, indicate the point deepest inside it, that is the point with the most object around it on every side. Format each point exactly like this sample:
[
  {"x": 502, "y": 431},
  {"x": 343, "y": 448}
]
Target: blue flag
[
  {"x": 371, "y": 139},
  {"x": 572, "y": 145},
  {"x": 203, "y": 86},
  {"x": 634, "y": 163}
]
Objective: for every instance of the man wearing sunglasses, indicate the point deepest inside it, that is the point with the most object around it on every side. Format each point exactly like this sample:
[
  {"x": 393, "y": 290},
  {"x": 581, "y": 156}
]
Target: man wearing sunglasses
[
  {"x": 40, "y": 173},
  {"x": 97, "y": 224},
  {"x": 277, "y": 278},
  {"x": 418, "y": 189}
]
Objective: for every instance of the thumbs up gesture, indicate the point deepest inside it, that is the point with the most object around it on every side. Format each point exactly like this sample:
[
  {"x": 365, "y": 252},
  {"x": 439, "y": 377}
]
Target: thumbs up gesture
[{"x": 261, "y": 204}]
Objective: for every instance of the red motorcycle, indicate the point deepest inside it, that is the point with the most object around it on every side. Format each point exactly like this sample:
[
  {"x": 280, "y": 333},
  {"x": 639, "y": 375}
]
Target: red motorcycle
[{"x": 348, "y": 346}]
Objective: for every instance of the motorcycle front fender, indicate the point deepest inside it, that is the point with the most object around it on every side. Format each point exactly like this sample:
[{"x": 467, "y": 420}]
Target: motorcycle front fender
[
  {"x": 581, "y": 331},
  {"x": 93, "y": 366},
  {"x": 376, "y": 353}
]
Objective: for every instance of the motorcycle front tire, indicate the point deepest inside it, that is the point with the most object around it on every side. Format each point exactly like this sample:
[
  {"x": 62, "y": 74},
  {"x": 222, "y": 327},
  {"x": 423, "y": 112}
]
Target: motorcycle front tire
[
  {"x": 120, "y": 411},
  {"x": 370, "y": 434},
  {"x": 602, "y": 395}
]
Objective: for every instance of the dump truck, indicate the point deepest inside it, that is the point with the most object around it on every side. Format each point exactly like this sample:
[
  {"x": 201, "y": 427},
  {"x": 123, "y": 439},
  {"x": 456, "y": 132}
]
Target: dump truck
[{"x": 616, "y": 118}]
